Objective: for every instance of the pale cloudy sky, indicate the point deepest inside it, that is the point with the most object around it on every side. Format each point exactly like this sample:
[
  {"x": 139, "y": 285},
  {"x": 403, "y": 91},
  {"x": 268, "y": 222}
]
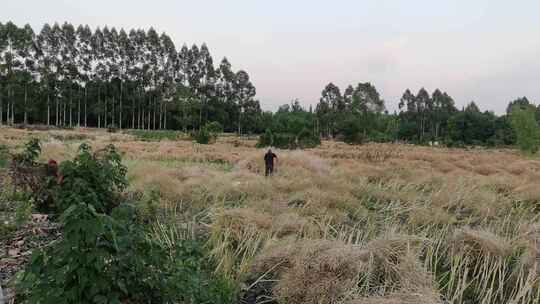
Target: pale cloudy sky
[{"x": 482, "y": 50}]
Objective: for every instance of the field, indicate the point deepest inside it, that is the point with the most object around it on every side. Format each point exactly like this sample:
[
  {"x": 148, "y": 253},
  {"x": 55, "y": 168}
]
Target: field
[{"x": 376, "y": 223}]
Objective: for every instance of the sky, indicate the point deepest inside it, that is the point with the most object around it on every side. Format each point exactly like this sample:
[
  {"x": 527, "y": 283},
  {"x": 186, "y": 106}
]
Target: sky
[{"x": 487, "y": 51}]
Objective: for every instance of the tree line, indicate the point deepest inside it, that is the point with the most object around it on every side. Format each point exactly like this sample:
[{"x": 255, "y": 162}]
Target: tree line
[
  {"x": 65, "y": 76},
  {"x": 359, "y": 114}
]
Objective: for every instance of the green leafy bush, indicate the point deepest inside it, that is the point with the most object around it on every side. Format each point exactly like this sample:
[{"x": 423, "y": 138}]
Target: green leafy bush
[
  {"x": 266, "y": 140},
  {"x": 214, "y": 127},
  {"x": 526, "y": 128},
  {"x": 30, "y": 153},
  {"x": 306, "y": 139},
  {"x": 105, "y": 254},
  {"x": 202, "y": 136},
  {"x": 92, "y": 178},
  {"x": 208, "y": 134}
]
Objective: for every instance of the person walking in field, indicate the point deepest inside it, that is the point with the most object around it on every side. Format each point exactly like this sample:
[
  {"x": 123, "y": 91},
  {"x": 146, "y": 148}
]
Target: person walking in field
[{"x": 269, "y": 162}]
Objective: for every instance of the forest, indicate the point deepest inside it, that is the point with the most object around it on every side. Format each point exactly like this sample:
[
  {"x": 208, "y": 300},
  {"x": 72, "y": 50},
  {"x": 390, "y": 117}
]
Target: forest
[{"x": 67, "y": 76}]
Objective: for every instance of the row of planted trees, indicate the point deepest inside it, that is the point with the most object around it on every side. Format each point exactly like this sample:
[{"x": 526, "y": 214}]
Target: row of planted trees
[{"x": 67, "y": 76}]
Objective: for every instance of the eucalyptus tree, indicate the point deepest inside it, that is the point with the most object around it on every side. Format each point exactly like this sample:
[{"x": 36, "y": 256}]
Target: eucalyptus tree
[
  {"x": 423, "y": 106},
  {"x": 84, "y": 66},
  {"x": 55, "y": 39},
  {"x": 27, "y": 52},
  {"x": 45, "y": 65},
  {"x": 443, "y": 109},
  {"x": 133, "y": 73},
  {"x": 3, "y": 43},
  {"x": 99, "y": 69},
  {"x": 152, "y": 58},
  {"x": 195, "y": 75},
  {"x": 244, "y": 93},
  {"x": 366, "y": 99},
  {"x": 182, "y": 91},
  {"x": 125, "y": 56},
  {"x": 143, "y": 76},
  {"x": 331, "y": 105},
  {"x": 169, "y": 76},
  {"x": 348, "y": 95},
  {"x": 10, "y": 64},
  {"x": 208, "y": 81},
  {"x": 106, "y": 72},
  {"x": 69, "y": 54}
]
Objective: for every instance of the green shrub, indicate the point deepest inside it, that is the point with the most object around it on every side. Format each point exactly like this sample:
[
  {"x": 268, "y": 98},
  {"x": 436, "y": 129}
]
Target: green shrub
[
  {"x": 266, "y": 140},
  {"x": 307, "y": 140},
  {"x": 284, "y": 141},
  {"x": 526, "y": 127},
  {"x": 214, "y": 128},
  {"x": 105, "y": 254},
  {"x": 92, "y": 178},
  {"x": 4, "y": 156},
  {"x": 30, "y": 153},
  {"x": 202, "y": 136},
  {"x": 109, "y": 259},
  {"x": 208, "y": 134}
]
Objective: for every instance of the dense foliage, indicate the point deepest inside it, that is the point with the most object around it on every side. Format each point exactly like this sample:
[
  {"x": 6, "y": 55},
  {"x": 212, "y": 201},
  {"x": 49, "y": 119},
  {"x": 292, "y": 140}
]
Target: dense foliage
[
  {"x": 527, "y": 129},
  {"x": 66, "y": 76},
  {"x": 105, "y": 254},
  {"x": 358, "y": 116}
]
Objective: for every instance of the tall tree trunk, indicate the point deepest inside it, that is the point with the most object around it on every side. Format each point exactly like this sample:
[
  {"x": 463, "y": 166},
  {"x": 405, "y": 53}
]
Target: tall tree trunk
[
  {"x": 8, "y": 115},
  {"x": 85, "y": 103},
  {"x": 159, "y": 116},
  {"x": 154, "y": 114},
  {"x": 25, "y": 103},
  {"x": 1, "y": 106},
  {"x": 57, "y": 111},
  {"x": 105, "y": 111},
  {"x": 240, "y": 122},
  {"x": 99, "y": 105},
  {"x": 139, "y": 116},
  {"x": 165, "y": 116},
  {"x": 113, "y": 115},
  {"x": 79, "y": 108},
  {"x": 149, "y": 112},
  {"x": 70, "y": 107},
  {"x": 200, "y": 115},
  {"x": 185, "y": 117},
  {"x": 12, "y": 107},
  {"x": 142, "y": 118},
  {"x": 132, "y": 111},
  {"x": 48, "y": 109},
  {"x": 64, "y": 111},
  {"x": 120, "y": 110}
]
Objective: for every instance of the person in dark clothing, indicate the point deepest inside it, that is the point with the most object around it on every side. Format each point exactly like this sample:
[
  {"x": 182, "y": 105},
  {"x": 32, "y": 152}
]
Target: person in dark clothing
[{"x": 269, "y": 162}]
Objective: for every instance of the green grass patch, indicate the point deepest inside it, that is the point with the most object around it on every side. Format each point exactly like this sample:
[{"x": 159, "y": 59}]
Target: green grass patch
[
  {"x": 179, "y": 162},
  {"x": 4, "y": 156},
  {"x": 157, "y": 135}
]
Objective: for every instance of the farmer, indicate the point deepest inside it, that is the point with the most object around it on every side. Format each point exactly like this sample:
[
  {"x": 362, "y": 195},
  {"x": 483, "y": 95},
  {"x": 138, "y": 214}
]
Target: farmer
[{"x": 269, "y": 162}]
